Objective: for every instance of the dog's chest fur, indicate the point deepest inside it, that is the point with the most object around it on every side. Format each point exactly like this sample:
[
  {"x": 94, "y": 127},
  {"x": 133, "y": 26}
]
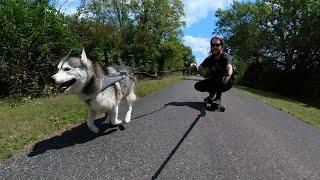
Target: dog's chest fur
[{"x": 104, "y": 101}]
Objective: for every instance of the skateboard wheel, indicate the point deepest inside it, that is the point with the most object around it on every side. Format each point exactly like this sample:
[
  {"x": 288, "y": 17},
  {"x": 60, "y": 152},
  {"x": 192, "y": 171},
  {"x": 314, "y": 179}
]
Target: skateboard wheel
[{"x": 222, "y": 109}]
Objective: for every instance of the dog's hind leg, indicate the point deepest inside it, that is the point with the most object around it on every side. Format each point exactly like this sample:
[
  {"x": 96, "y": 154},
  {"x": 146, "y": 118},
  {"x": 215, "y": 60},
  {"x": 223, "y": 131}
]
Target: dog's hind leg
[
  {"x": 112, "y": 71},
  {"x": 118, "y": 92},
  {"x": 90, "y": 122},
  {"x": 114, "y": 116},
  {"x": 131, "y": 98}
]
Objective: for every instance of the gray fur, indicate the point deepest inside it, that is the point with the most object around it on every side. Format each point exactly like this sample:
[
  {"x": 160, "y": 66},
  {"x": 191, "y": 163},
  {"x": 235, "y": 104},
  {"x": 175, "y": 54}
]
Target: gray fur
[{"x": 83, "y": 77}]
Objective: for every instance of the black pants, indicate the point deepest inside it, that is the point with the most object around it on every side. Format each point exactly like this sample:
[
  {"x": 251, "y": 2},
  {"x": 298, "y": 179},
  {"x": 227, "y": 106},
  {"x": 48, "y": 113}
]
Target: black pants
[{"x": 213, "y": 86}]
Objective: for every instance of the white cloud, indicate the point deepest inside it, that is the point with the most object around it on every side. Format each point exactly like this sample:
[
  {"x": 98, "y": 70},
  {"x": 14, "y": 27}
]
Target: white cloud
[
  {"x": 200, "y": 46},
  {"x": 196, "y": 10}
]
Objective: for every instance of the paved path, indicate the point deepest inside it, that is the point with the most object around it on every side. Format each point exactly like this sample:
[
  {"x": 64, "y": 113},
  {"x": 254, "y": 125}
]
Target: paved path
[{"x": 171, "y": 136}]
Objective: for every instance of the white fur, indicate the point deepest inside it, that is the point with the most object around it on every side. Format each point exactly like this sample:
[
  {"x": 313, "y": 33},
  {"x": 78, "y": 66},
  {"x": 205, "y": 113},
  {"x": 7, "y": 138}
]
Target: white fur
[{"x": 106, "y": 101}]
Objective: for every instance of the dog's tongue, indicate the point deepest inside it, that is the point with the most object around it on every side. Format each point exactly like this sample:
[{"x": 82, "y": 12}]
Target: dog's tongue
[
  {"x": 64, "y": 86},
  {"x": 61, "y": 89}
]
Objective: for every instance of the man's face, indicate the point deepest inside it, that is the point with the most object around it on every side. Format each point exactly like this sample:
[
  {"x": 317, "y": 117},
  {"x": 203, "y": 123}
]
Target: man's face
[{"x": 216, "y": 47}]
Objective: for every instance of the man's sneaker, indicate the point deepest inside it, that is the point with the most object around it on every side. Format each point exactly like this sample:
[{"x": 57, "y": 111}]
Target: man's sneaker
[
  {"x": 216, "y": 101},
  {"x": 209, "y": 98}
]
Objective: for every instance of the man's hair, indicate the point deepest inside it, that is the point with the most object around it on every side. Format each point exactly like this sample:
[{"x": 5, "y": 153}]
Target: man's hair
[{"x": 217, "y": 37}]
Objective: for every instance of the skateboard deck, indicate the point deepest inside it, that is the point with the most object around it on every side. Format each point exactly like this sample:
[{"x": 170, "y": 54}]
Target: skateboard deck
[{"x": 211, "y": 106}]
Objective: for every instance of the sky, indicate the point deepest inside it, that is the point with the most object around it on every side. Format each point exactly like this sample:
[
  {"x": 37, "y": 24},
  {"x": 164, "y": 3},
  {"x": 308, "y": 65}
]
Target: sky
[
  {"x": 200, "y": 23},
  {"x": 199, "y": 18}
]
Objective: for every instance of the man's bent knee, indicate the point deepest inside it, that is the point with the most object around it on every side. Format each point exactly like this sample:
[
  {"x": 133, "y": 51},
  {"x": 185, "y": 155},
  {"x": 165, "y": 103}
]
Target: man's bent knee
[
  {"x": 196, "y": 86},
  {"x": 199, "y": 87}
]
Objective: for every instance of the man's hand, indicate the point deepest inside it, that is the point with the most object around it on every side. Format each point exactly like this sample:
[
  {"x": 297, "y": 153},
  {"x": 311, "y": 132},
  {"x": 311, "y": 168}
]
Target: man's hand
[
  {"x": 194, "y": 68},
  {"x": 226, "y": 78}
]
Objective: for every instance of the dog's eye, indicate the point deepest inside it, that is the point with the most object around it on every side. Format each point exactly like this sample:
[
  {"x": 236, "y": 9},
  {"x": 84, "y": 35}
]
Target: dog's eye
[{"x": 66, "y": 69}]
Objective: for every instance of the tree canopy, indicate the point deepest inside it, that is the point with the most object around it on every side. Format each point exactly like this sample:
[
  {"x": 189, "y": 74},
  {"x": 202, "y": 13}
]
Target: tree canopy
[
  {"x": 275, "y": 43},
  {"x": 144, "y": 34}
]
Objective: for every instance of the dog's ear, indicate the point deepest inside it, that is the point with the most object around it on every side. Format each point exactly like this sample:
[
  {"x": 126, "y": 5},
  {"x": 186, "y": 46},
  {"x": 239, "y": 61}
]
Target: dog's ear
[{"x": 83, "y": 57}]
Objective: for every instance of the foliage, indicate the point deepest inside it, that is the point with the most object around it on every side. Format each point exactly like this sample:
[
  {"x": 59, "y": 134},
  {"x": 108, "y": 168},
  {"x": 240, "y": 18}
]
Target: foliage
[
  {"x": 33, "y": 34},
  {"x": 277, "y": 42},
  {"x": 135, "y": 33},
  {"x": 142, "y": 34}
]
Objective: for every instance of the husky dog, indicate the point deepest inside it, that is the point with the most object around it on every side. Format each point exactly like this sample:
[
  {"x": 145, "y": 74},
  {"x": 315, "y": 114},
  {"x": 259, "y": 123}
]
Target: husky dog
[{"x": 85, "y": 78}]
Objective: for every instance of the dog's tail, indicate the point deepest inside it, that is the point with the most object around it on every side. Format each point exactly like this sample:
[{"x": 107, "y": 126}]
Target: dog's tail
[{"x": 127, "y": 70}]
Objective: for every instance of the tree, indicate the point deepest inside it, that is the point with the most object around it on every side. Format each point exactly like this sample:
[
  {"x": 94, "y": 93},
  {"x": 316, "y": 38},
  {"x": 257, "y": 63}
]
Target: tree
[
  {"x": 141, "y": 28},
  {"x": 277, "y": 40},
  {"x": 32, "y": 38}
]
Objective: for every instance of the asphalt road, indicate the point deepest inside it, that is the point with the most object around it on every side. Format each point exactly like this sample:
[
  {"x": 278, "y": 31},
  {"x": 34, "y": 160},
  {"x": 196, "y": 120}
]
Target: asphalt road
[{"x": 172, "y": 136}]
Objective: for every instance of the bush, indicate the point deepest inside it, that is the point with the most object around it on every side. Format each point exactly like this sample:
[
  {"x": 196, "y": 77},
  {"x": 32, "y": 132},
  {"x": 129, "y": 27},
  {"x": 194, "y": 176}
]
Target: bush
[
  {"x": 33, "y": 36},
  {"x": 266, "y": 76}
]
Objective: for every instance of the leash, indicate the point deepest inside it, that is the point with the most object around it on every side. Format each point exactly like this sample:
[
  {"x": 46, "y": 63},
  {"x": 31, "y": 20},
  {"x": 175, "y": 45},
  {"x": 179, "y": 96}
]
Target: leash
[
  {"x": 156, "y": 73},
  {"x": 109, "y": 80}
]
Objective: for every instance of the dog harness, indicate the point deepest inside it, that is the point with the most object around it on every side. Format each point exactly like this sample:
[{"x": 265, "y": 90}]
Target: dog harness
[{"x": 111, "y": 80}]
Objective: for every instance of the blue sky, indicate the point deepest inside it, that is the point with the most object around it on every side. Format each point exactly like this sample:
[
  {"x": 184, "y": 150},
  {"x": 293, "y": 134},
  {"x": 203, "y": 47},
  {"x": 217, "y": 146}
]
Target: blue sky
[
  {"x": 200, "y": 20},
  {"x": 199, "y": 17}
]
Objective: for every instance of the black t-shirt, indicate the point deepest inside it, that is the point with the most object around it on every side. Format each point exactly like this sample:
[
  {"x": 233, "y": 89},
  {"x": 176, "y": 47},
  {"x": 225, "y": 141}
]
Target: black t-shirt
[{"x": 217, "y": 67}]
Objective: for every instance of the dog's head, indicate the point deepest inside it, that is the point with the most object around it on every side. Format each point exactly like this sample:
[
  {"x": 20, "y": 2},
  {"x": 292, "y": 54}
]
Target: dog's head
[{"x": 74, "y": 72}]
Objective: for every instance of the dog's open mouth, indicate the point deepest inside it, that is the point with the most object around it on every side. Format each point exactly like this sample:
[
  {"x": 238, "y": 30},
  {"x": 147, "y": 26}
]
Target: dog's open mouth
[{"x": 64, "y": 86}]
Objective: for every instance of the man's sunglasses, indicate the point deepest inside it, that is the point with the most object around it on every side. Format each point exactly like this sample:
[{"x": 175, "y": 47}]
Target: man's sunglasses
[{"x": 215, "y": 45}]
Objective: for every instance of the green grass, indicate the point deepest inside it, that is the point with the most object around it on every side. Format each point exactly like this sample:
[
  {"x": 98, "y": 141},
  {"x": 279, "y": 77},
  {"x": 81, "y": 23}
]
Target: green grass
[
  {"x": 305, "y": 110},
  {"x": 147, "y": 87},
  {"x": 25, "y": 123}
]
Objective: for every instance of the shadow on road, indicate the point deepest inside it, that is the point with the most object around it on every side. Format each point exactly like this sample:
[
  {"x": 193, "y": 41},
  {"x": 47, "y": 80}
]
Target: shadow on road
[
  {"x": 200, "y": 106},
  {"x": 149, "y": 113},
  {"x": 77, "y": 135}
]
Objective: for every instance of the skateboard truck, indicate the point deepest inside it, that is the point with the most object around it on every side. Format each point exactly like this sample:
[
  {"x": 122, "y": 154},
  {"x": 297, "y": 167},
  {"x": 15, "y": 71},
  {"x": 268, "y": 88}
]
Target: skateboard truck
[{"x": 212, "y": 106}]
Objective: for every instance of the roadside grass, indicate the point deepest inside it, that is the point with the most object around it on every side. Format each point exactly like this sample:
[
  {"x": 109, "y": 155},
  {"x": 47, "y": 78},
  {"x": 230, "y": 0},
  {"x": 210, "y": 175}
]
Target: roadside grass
[
  {"x": 306, "y": 110},
  {"x": 147, "y": 87},
  {"x": 25, "y": 123}
]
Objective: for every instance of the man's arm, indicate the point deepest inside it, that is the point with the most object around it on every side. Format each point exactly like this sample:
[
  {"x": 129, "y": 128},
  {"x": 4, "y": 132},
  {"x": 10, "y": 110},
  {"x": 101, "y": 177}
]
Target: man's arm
[
  {"x": 203, "y": 67},
  {"x": 229, "y": 70},
  {"x": 202, "y": 70},
  {"x": 226, "y": 78}
]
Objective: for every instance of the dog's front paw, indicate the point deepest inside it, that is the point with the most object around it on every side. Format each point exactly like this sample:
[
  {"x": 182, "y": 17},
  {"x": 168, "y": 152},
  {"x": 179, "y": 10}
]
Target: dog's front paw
[
  {"x": 94, "y": 129},
  {"x": 116, "y": 122},
  {"x": 105, "y": 122}
]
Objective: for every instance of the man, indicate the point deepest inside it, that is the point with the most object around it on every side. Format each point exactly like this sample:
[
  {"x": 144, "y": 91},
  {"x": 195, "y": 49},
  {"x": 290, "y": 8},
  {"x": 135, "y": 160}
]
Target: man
[{"x": 220, "y": 70}]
